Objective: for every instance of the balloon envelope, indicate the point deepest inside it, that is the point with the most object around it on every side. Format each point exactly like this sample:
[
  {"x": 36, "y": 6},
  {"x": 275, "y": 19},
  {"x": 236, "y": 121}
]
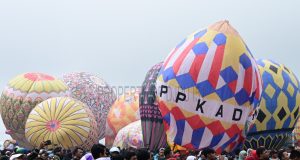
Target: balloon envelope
[
  {"x": 154, "y": 135},
  {"x": 130, "y": 136},
  {"x": 94, "y": 92},
  {"x": 63, "y": 120},
  {"x": 208, "y": 88},
  {"x": 279, "y": 107},
  {"x": 22, "y": 94},
  {"x": 124, "y": 111}
]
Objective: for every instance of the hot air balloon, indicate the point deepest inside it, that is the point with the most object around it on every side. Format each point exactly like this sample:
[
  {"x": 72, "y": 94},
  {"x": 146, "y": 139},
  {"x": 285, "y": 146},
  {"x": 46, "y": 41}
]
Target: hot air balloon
[
  {"x": 22, "y": 94},
  {"x": 279, "y": 107},
  {"x": 124, "y": 111},
  {"x": 63, "y": 120},
  {"x": 130, "y": 136},
  {"x": 94, "y": 92},
  {"x": 154, "y": 136},
  {"x": 208, "y": 88}
]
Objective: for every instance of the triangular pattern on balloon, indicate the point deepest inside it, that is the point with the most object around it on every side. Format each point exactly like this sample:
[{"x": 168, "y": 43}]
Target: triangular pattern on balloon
[{"x": 210, "y": 80}]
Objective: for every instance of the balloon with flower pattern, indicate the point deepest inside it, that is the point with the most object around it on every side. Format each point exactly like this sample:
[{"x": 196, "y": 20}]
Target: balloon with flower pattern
[
  {"x": 21, "y": 95},
  {"x": 63, "y": 120},
  {"x": 130, "y": 136}
]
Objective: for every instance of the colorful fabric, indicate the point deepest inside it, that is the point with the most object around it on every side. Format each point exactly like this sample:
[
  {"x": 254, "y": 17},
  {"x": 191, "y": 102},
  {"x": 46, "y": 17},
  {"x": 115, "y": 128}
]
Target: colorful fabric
[
  {"x": 130, "y": 136},
  {"x": 94, "y": 92},
  {"x": 279, "y": 106},
  {"x": 268, "y": 140},
  {"x": 124, "y": 111},
  {"x": 63, "y": 120},
  {"x": 154, "y": 135},
  {"x": 21, "y": 95},
  {"x": 208, "y": 88}
]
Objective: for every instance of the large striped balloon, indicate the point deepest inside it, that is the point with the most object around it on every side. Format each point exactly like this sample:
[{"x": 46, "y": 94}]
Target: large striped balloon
[
  {"x": 209, "y": 87},
  {"x": 154, "y": 135},
  {"x": 125, "y": 110},
  {"x": 64, "y": 121},
  {"x": 94, "y": 92},
  {"x": 279, "y": 107},
  {"x": 22, "y": 94}
]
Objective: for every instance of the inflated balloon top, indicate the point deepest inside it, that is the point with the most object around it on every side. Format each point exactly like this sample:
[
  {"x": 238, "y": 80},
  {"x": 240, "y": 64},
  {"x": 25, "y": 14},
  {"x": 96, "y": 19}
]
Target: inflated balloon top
[
  {"x": 279, "y": 107},
  {"x": 22, "y": 94},
  {"x": 125, "y": 110},
  {"x": 208, "y": 88},
  {"x": 93, "y": 91},
  {"x": 63, "y": 120},
  {"x": 130, "y": 136}
]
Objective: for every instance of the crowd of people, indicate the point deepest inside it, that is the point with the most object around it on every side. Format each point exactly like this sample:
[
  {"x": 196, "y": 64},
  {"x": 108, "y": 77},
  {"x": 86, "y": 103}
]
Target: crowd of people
[{"x": 101, "y": 152}]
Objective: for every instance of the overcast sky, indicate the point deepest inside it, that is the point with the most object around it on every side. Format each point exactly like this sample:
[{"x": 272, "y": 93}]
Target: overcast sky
[{"x": 121, "y": 40}]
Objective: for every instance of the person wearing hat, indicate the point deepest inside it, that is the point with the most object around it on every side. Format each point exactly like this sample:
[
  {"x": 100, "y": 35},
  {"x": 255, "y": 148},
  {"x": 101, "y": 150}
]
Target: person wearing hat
[
  {"x": 160, "y": 155},
  {"x": 114, "y": 152}
]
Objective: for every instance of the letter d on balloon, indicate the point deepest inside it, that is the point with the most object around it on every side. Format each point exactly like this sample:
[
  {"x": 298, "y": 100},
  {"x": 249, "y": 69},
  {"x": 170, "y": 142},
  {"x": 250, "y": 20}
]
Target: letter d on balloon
[{"x": 237, "y": 114}]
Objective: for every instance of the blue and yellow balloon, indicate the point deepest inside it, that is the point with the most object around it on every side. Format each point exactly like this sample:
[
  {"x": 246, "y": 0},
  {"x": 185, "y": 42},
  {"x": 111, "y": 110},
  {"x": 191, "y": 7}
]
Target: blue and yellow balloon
[{"x": 279, "y": 107}]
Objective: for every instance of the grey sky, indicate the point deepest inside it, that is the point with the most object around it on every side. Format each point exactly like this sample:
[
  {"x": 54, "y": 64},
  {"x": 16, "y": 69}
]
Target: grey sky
[{"x": 121, "y": 40}]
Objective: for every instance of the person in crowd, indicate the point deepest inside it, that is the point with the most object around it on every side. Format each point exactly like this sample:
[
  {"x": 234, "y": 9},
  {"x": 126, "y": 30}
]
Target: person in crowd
[
  {"x": 251, "y": 155},
  {"x": 160, "y": 155},
  {"x": 99, "y": 152},
  {"x": 242, "y": 155},
  {"x": 130, "y": 155},
  {"x": 262, "y": 153},
  {"x": 143, "y": 154},
  {"x": 208, "y": 154},
  {"x": 295, "y": 155},
  {"x": 58, "y": 153},
  {"x": 274, "y": 155},
  {"x": 114, "y": 152},
  {"x": 283, "y": 155},
  {"x": 77, "y": 153}
]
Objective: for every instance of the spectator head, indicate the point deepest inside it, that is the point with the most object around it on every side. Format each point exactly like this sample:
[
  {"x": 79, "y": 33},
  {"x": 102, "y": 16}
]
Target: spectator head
[
  {"x": 143, "y": 154},
  {"x": 295, "y": 154},
  {"x": 274, "y": 154},
  {"x": 262, "y": 153},
  {"x": 209, "y": 154},
  {"x": 161, "y": 152},
  {"x": 130, "y": 155},
  {"x": 283, "y": 155},
  {"x": 114, "y": 151},
  {"x": 98, "y": 150},
  {"x": 77, "y": 153},
  {"x": 58, "y": 151}
]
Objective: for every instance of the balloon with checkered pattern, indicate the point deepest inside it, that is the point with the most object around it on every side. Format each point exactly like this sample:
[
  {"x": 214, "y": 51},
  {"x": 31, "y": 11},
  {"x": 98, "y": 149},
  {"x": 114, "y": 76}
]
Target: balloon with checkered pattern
[
  {"x": 279, "y": 107},
  {"x": 208, "y": 88}
]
